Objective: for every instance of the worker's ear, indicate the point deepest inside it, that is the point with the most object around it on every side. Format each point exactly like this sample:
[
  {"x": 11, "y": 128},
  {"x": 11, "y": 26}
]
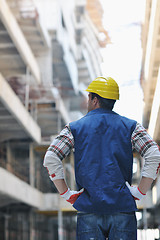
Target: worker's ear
[{"x": 96, "y": 101}]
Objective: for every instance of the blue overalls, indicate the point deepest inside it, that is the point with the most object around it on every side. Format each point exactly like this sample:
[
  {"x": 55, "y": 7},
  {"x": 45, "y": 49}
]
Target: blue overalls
[{"x": 103, "y": 162}]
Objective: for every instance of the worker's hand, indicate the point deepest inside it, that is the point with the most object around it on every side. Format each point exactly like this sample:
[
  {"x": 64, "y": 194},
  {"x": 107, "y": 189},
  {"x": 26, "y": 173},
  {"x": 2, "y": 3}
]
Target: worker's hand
[
  {"x": 136, "y": 193},
  {"x": 71, "y": 196}
]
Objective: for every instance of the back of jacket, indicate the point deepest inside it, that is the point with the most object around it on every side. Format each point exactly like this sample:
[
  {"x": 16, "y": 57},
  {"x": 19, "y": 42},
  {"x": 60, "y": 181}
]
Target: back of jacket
[{"x": 103, "y": 162}]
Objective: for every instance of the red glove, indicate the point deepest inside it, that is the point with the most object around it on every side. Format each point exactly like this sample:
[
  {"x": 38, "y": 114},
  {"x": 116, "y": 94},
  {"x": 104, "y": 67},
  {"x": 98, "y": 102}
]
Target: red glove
[
  {"x": 71, "y": 196},
  {"x": 136, "y": 193}
]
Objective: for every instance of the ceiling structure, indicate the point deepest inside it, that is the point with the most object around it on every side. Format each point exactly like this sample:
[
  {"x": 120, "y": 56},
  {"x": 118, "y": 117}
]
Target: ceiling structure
[{"x": 23, "y": 39}]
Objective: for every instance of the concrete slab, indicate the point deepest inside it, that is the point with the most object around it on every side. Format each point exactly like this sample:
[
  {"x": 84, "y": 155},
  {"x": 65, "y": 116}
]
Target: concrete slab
[
  {"x": 18, "y": 39},
  {"x": 18, "y": 111},
  {"x": 13, "y": 188}
]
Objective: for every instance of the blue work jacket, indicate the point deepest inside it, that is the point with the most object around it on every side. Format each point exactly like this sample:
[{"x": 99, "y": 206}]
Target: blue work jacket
[{"x": 103, "y": 162}]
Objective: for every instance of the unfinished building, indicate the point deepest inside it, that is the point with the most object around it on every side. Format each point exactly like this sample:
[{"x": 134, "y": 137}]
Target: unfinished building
[{"x": 47, "y": 58}]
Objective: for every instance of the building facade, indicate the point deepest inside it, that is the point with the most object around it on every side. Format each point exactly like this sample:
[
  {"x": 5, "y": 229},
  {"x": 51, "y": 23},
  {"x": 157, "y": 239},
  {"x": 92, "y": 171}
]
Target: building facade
[
  {"x": 47, "y": 58},
  {"x": 150, "y": 81}
]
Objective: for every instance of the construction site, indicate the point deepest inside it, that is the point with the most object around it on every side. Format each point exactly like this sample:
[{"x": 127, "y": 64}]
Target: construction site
[{"x": 47, "y": 59}]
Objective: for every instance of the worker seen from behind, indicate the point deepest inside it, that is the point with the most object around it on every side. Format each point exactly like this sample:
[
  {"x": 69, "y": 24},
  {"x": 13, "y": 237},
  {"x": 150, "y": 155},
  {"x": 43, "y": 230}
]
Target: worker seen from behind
[{"x": 103, "y": 143}]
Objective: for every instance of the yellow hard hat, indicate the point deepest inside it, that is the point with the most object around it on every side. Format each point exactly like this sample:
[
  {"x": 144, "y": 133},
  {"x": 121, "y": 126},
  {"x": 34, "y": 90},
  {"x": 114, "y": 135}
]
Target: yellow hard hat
[{"x": 105, "y": 87}]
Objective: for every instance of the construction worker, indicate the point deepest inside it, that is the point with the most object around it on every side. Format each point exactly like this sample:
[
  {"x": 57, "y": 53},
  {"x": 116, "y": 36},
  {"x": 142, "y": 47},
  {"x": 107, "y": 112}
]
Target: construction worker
[{"x": 103, "y": 143}]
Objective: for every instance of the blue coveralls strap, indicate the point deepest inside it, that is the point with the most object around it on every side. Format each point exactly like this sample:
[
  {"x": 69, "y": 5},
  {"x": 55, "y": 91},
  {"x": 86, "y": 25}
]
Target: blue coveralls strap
[{"x": 103, "y": 162}]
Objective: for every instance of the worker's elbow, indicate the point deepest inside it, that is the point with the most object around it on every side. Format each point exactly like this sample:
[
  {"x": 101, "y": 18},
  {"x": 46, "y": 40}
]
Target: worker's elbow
[{"x": 46, "y": 160}]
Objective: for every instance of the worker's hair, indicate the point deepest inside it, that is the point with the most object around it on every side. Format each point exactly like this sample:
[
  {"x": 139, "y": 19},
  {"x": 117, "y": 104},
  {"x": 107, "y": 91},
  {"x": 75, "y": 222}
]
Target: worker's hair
[{"x": 104, "y": 102}]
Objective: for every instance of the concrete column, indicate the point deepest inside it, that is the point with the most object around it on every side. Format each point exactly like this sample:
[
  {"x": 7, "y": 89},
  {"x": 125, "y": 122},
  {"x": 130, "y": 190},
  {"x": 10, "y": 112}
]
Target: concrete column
[
  {"x": 31, "y": 165},
  {"x": 6, "y": 219},
  {"x": 9, "y": 158},
  {"x": 32, "y": 231},
  {"x": 59, "y": 123},
  {"x": 145, "y": 225},
  {"x": 45, "y": 63},
  {"x": 60, "y": 225},
  {"x": 72, "y": 176},
  {"x": 38, "y": 174},
  {"x": 33, "y": 110},
  {"x": 27, "y": 88}
]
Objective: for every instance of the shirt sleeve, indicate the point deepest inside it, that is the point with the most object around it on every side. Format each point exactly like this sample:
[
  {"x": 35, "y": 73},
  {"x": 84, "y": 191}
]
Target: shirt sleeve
[
  {"x": 143, "y": 143},
  {"x": 63, "y": 143},
  {"x": 60, "y": 147},
  {"x": 54, "y": 166}
]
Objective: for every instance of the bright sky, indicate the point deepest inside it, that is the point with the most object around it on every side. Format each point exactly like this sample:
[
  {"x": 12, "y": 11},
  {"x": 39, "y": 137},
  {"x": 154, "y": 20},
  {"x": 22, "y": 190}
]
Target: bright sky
[{"x": 122, "y": 58}]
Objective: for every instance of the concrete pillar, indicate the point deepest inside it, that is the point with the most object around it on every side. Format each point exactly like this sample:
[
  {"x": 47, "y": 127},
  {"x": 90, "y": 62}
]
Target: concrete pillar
[
  {"x": 38, "y": 174},
  {"x": 31, "y": 221},
  {"x": 31, "y": 165},
  {"x": 45, "y": 63},
  {"x": 145, "y": 225},
  {"x": 59, "y": 123},
  {"x": 33, "y": 109},
  {"x": 72, "y": 176},
  {"x": 9, "y": 157},
  {"x": 6, "y": 223},
  {"x": 27, "y": 88},
  {"x": 60, "y": 225}
]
